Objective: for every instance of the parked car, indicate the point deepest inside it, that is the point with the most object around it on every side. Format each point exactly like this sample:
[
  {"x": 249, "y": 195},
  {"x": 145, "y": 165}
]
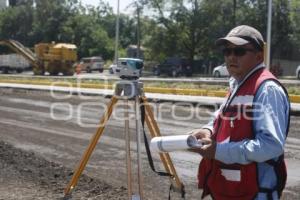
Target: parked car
[
  {"x": 220, "y": 71},
  {"x": 298, "y": 72},
  {"x": 113, "y": 68},
  {"x": 173, "y": 67},
  {"x": 90, "y": 64}
]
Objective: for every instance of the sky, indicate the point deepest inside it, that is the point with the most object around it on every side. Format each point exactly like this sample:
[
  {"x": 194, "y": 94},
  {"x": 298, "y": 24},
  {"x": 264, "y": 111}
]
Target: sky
[{"x": 113, "y": 3}]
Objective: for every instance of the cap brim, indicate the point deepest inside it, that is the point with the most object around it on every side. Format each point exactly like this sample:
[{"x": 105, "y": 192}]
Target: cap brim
[{"x": 234, "y": 40}]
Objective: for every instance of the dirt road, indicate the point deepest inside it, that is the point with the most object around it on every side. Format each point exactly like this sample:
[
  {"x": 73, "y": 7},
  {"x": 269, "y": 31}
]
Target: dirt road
[{"x": 44, "y": 136}]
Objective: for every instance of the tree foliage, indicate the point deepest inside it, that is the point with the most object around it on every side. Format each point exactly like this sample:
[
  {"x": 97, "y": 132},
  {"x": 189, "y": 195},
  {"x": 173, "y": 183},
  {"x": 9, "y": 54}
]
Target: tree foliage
[{"x": 184, "y": 28}]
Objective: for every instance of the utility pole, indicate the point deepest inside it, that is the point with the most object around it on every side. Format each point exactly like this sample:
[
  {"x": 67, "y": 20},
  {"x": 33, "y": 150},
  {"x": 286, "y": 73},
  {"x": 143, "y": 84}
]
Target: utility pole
[
  {"x": 117, "y": 33},
  {"x": 138, "y": 6},
  {"x": 269, "y": 29},
  {"x": 234, "y": 12},
  {"x": 138, "y": 30},
  {"x": 12, "y": 2}
]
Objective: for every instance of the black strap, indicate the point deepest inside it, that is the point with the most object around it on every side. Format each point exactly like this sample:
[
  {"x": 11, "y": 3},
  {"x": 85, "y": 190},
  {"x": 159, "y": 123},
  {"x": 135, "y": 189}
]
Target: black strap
[
  {"x": 172, "y": 189},
  {"x": 280, "y": 180},
  {"x": 274, "y": 163},
  {"x": 277, "y": 163},
  {"x": 150, "y": 160},
  {"x": 268, "y": 191},
  {"x": 149, "y": 156}
]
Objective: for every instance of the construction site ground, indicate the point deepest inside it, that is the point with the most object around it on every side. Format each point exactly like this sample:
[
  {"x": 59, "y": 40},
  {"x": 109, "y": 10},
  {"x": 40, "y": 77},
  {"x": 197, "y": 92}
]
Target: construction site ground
[
  {"x": 42, "y": 140},
  {"x": 25, "y": 175}
]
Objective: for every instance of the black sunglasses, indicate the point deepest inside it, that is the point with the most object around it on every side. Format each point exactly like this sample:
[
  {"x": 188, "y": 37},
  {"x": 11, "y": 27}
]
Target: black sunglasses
[{"x": 237, "y": 51}]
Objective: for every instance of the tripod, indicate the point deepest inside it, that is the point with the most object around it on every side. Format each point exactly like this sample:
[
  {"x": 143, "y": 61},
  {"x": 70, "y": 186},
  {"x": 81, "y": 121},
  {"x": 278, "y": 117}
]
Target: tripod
[{"x": 130, "y": 90}]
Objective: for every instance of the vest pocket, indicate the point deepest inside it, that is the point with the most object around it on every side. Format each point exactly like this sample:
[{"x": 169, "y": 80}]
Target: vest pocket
[{"x": 233, "y": 181}]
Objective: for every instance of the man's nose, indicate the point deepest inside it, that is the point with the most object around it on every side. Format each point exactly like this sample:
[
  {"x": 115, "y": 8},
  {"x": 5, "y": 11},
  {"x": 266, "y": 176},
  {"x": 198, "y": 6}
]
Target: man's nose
[{"x": 231, "y": 56}]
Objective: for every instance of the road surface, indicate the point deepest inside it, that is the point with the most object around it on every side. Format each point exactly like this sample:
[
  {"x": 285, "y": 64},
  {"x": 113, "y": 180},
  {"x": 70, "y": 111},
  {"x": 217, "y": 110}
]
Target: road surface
[{"x": 58, "y": 128}]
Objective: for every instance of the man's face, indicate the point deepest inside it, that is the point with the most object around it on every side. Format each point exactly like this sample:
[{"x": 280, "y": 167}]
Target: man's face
[{"x": 240, "y": 60}]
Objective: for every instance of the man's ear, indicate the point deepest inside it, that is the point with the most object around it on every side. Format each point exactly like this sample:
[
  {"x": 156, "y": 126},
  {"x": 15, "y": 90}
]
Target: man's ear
[{"x": 260, "y": 56}]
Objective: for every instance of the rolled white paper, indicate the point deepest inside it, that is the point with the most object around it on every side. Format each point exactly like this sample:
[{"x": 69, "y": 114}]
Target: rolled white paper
[{"x": 174, "y": 143}]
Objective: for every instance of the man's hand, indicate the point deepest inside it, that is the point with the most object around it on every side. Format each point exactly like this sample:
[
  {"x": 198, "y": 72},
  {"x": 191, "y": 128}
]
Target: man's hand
[
  {"x": 208, "y": 150},
  {"x": 200, "y": 133}
]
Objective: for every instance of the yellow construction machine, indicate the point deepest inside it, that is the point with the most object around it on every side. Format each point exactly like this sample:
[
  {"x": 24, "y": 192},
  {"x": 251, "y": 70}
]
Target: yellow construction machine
[{"x": 53, "y": 58}]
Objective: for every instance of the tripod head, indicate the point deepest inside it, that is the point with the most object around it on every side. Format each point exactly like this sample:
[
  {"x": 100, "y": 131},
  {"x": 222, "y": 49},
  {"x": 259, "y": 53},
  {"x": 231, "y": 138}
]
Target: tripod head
[{"x": 130, "y": 88}]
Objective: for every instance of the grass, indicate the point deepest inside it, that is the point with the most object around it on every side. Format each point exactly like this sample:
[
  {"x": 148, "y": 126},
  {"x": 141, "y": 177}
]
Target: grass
[
  {"x": 185, "y": 85},
  {"x": 292, "y": 90}
]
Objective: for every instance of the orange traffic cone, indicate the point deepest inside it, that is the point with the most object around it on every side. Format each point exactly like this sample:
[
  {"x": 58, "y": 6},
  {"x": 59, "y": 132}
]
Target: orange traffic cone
[{"x": 78, "y": 69}]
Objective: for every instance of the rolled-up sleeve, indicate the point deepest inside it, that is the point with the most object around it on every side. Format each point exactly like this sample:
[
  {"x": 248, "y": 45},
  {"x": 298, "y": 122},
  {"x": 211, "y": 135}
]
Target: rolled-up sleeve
[{"x": 270, "y": 121}]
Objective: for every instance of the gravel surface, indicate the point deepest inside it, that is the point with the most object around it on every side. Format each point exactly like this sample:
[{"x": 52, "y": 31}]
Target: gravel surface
[{"x": 26, "y": 176}]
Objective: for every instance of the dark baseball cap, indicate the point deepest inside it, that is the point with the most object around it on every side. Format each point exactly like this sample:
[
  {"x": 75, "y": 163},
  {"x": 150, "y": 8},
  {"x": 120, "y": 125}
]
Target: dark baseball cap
[{"x": 242, "y": 35}]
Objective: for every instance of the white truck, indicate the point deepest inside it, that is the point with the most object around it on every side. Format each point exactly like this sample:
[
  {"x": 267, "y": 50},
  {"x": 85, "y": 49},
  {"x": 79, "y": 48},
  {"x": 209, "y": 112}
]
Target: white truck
[{"x": 13, "y": 63}]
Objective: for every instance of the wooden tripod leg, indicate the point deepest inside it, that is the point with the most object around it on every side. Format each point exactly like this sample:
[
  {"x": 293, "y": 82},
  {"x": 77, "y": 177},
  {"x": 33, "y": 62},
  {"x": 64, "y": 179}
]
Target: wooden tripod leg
[
  {"x": 128, "y": 153},
  {"x": 155, "y": 132},
  {"x": 91, "y": 147}
]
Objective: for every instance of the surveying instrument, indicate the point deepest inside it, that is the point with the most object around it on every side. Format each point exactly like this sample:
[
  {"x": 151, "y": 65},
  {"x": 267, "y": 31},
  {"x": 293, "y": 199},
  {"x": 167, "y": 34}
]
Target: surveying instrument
[{"x": 129, "y": 88}]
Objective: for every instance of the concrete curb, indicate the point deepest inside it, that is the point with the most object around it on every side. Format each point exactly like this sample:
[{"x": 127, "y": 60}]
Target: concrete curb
[
  {"x": 174, "y": 91},
  {"x": 181, "y": 99}
]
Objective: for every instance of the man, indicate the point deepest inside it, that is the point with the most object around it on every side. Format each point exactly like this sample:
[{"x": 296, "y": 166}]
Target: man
[{"x": 244, "y": 143}]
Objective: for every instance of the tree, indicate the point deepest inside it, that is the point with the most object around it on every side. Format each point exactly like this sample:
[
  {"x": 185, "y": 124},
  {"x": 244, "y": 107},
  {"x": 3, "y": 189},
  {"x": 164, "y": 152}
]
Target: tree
[
  {"x": 183, "y": 28},
  {"x": 194, "y": 25},
  {"x": 16, "y": 23},
  {"x": 295, "y": 23},
  {"x": 86, "y": 32},
  {"x": 49, "y": 18},
  {"x": 191, "y": 26}
]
